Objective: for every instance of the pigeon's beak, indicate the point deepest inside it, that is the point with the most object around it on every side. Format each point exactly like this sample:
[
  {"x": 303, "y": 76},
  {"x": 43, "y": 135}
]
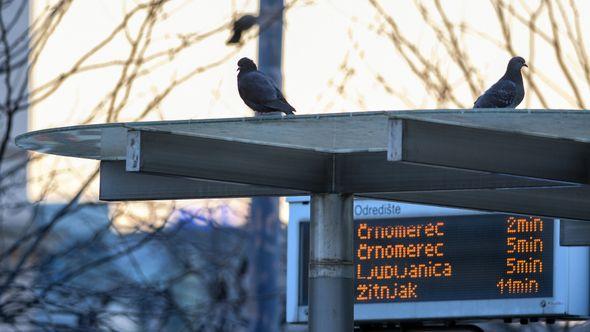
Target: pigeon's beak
[
  {"x": 238, "y": 69},
  {"x": 525, "y": 65}
]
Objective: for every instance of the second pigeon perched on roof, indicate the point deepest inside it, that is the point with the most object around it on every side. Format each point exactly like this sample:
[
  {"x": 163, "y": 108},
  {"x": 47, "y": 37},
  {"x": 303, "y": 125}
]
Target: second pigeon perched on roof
[
  {"x": 259, "y": 91},
  {"x": 508, "y": 92}
]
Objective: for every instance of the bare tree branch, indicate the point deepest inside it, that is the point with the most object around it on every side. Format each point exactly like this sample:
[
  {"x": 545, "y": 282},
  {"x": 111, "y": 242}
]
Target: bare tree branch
[{"x": 560, "y": 57}]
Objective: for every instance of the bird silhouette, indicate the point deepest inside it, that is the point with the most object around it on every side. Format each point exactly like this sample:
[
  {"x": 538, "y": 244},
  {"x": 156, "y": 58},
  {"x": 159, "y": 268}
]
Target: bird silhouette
[
  {"x": 259, "y": 91},
  {"x": 240, "y": 26},
  {"x": 508, "y": 92}
]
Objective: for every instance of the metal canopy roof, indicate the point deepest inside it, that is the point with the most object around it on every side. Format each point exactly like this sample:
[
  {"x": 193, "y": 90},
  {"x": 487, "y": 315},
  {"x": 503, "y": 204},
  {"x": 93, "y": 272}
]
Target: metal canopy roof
[{"x": 521, "y": 161}]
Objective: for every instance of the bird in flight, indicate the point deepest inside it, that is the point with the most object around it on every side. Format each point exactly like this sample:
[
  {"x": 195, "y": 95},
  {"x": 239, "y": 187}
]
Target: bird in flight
[
  {"x": 508, "y": 92},
  {"x": 259, "y": 91}
]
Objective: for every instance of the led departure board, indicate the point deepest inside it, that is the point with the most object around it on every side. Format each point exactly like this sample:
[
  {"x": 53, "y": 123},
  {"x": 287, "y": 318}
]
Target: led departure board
[{"x": 465, "y": 257}]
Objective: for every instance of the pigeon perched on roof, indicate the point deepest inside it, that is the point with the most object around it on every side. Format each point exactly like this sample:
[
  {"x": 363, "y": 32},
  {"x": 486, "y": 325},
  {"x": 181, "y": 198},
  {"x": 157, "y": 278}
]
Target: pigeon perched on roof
[
  {"x": 508, "y": 92},
  {"x": 240, "y": 26},
  {"x": 259, "y": 91}
]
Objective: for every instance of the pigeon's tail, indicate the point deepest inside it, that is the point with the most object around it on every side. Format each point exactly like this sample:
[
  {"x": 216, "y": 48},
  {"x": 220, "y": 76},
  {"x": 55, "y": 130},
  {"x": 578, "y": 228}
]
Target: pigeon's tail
[
  {"x": 280, "y": 106},
  {"x": 476, "y": 103}
]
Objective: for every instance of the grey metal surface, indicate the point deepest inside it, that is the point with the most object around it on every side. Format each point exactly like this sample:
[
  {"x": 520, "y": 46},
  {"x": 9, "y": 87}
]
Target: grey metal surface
[
  {"x": 299, "y": 169},
  {"x": 116, "y": 184},
  {"x": 339, "y": 132},
  {"x": 344, "y": 132},
  {"x": 502, "y": 152},
  {"x": 559, "y": 202},
  {"x": 366, "y": 172},
  {"x": 336, "y": 315},
  {"x": 574, "y": 233},
  {"x": 570, "y": 124},
  {"x": 347, "y": 153},
  {"x": 331, "y": 296},
  {"x": 214, "y": 159}
]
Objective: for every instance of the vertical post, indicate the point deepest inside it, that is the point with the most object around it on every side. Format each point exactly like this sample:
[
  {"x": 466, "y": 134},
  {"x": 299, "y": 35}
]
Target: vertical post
[
  {"x": 264, "y": 225},
  {"x": 331, "y": 305},
  {"x": 264, "y": 210},
  {"x": 270, "y": 39}
]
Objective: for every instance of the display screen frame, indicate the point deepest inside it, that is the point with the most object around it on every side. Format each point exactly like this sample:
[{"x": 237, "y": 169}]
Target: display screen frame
[
  {"x": 566, "y": 301},
  {"x": 491, "y": 259}
]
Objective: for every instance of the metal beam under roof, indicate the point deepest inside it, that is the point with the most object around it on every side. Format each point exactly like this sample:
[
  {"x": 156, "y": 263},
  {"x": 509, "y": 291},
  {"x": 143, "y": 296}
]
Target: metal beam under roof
[
  {"x": 524, "y": 161},
  {"x": 496, "y": 151},
  {"x": 116, "y": 184},
  {"x": 557, "y": 202},
  {"x": 192, "y": 156}
]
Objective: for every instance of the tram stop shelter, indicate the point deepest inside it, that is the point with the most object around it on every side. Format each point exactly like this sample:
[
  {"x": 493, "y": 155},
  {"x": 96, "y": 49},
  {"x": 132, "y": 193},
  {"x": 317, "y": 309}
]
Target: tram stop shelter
[{"x": 518, "y": 161}]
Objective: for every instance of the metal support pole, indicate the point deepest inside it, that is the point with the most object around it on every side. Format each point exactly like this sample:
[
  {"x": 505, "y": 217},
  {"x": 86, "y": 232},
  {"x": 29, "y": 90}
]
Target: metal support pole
[
  {"x": 331, "y": 297},
  {"x": 270, "y": 40},
  {"x": 264, "y": 210}
]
